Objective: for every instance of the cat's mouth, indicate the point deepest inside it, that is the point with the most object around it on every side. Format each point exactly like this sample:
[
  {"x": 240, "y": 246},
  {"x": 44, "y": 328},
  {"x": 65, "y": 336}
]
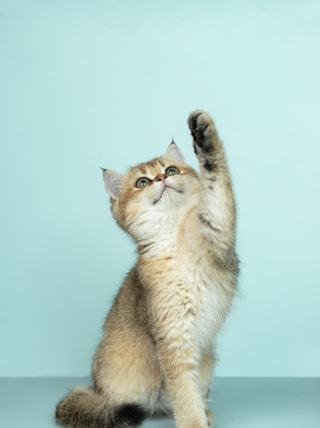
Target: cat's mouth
[{"x": 166, "y": 188}]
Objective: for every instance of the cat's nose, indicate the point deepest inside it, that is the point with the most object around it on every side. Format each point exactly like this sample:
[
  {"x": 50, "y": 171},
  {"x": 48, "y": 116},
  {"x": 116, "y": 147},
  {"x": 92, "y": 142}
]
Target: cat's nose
[{"x": 160, "y": 177}]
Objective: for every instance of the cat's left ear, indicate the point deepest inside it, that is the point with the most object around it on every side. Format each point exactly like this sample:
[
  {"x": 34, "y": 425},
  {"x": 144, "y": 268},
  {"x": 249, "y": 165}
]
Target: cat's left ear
[
  {"x": 113, "y": 182},
  {"x": 173, "y": 152}
]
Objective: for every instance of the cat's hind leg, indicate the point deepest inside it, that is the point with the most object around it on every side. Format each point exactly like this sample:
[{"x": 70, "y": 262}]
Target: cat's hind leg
[
  {"x": 126, "y": 385},
  {"x": 126, "y": 368}
]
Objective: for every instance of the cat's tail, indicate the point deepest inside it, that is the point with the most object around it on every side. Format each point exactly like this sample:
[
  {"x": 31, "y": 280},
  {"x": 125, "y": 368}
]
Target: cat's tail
[{"x": 86, "y": 408}]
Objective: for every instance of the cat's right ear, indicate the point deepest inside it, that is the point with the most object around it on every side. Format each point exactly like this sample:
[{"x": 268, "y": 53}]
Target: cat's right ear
[
  {"x": 173, "y": 152},
  {"x": 113, "y": 182}
]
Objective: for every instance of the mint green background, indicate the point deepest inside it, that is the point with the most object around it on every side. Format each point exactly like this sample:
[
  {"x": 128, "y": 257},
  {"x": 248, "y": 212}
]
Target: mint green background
[{"x": 85, "y": 84}]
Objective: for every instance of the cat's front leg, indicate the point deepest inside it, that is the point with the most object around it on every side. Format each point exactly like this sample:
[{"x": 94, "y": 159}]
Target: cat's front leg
[
  {"x": 180, "y": 377},
  {"x": 217, "y": 211},
  {"x": 210, "y": 417}
]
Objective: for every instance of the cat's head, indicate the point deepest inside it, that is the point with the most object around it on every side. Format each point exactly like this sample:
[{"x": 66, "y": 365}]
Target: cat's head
[{"x": 154, "y": 195}]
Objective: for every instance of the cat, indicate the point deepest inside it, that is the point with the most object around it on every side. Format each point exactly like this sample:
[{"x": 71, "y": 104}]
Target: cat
[{"x": 157, "y": 355}]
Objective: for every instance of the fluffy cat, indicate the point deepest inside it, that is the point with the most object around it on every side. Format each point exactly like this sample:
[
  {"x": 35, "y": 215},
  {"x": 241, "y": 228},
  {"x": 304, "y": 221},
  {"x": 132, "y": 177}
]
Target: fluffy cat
[{"x": 157, "y": 352}]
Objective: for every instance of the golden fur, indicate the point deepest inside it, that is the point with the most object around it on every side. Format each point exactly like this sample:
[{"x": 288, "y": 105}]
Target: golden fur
[{"x": 157, "y": 352}]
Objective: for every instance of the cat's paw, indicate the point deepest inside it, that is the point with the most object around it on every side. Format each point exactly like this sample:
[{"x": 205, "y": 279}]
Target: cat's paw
[
  {"x": 203, "y": 130},
  {"x": 210, "y": 418}
]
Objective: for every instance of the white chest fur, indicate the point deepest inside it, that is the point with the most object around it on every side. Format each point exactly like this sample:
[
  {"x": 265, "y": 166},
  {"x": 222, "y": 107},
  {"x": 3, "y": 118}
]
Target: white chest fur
[
  {"x": 209, "y": 299},
  {"x": 191, "y": 296},
  {"x": 193, "y": 299}
]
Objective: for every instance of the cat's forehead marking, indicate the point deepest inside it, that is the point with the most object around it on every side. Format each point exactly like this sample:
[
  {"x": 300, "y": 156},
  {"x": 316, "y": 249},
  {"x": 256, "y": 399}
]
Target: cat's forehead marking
[{"x": 149, "y": 168}]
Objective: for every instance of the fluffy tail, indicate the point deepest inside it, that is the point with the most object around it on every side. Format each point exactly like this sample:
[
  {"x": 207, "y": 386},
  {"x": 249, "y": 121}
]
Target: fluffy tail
[{"x": 85, "y": 408}]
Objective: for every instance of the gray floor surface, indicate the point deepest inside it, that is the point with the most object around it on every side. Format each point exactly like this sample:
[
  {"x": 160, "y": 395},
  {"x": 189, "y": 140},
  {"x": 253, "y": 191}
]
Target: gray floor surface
[{"x": 237, "y": 402}]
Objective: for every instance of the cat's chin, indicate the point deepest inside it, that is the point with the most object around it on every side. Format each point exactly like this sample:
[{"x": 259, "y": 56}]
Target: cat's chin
[{"x": 166, "y": 191}]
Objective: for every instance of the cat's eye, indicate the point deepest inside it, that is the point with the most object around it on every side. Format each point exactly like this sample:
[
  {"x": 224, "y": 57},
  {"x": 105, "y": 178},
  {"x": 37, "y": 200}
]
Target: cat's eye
[
  {"x": 142, "y": 182},
  {"x": 172, "y": 170}
]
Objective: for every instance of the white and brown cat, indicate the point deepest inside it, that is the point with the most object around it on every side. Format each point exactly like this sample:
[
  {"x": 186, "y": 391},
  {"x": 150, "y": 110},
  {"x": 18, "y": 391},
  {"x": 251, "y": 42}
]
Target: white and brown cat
[{"x": 157, "y": 352}]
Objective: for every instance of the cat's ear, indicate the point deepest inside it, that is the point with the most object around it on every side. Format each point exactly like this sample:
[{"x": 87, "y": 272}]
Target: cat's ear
[
  {"x": 113, "y": 182},
  {"x": 173, "y": 152}
]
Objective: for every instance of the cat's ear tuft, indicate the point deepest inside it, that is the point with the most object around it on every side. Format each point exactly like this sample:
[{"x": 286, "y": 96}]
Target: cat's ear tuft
[
  {"x": 173, "y": 152},
  {"x": 113, "y": 182}
]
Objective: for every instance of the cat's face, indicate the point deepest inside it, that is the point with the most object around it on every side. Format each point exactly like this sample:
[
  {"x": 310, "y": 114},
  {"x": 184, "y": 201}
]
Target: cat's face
[{"x": 153, "y": 193}]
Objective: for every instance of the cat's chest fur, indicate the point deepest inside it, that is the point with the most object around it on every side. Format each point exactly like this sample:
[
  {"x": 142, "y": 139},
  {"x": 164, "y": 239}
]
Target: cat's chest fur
[
  {"x": 188, "y": 293},
  {"x": 190, "y": 296}
]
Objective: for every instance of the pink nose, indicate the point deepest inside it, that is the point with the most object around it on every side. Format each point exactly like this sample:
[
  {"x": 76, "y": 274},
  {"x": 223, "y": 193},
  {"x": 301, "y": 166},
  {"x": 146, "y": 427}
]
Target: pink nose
[{"x": 160, "y": 177}]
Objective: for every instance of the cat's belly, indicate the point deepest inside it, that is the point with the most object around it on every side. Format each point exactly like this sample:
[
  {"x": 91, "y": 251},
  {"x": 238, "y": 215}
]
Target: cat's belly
[
  {"x": 204, "y": 297},
  {"x": 211, "y": 307},
  {"x": 189, "y": 298}
]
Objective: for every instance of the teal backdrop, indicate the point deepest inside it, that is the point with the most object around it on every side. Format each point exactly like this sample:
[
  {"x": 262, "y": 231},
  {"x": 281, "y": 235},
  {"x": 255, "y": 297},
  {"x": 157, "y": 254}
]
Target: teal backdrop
[{"x": 90, "y": 84}]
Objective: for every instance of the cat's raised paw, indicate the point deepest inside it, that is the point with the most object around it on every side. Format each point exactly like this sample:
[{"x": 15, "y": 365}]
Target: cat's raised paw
[{"x": 202, "y": 129}]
